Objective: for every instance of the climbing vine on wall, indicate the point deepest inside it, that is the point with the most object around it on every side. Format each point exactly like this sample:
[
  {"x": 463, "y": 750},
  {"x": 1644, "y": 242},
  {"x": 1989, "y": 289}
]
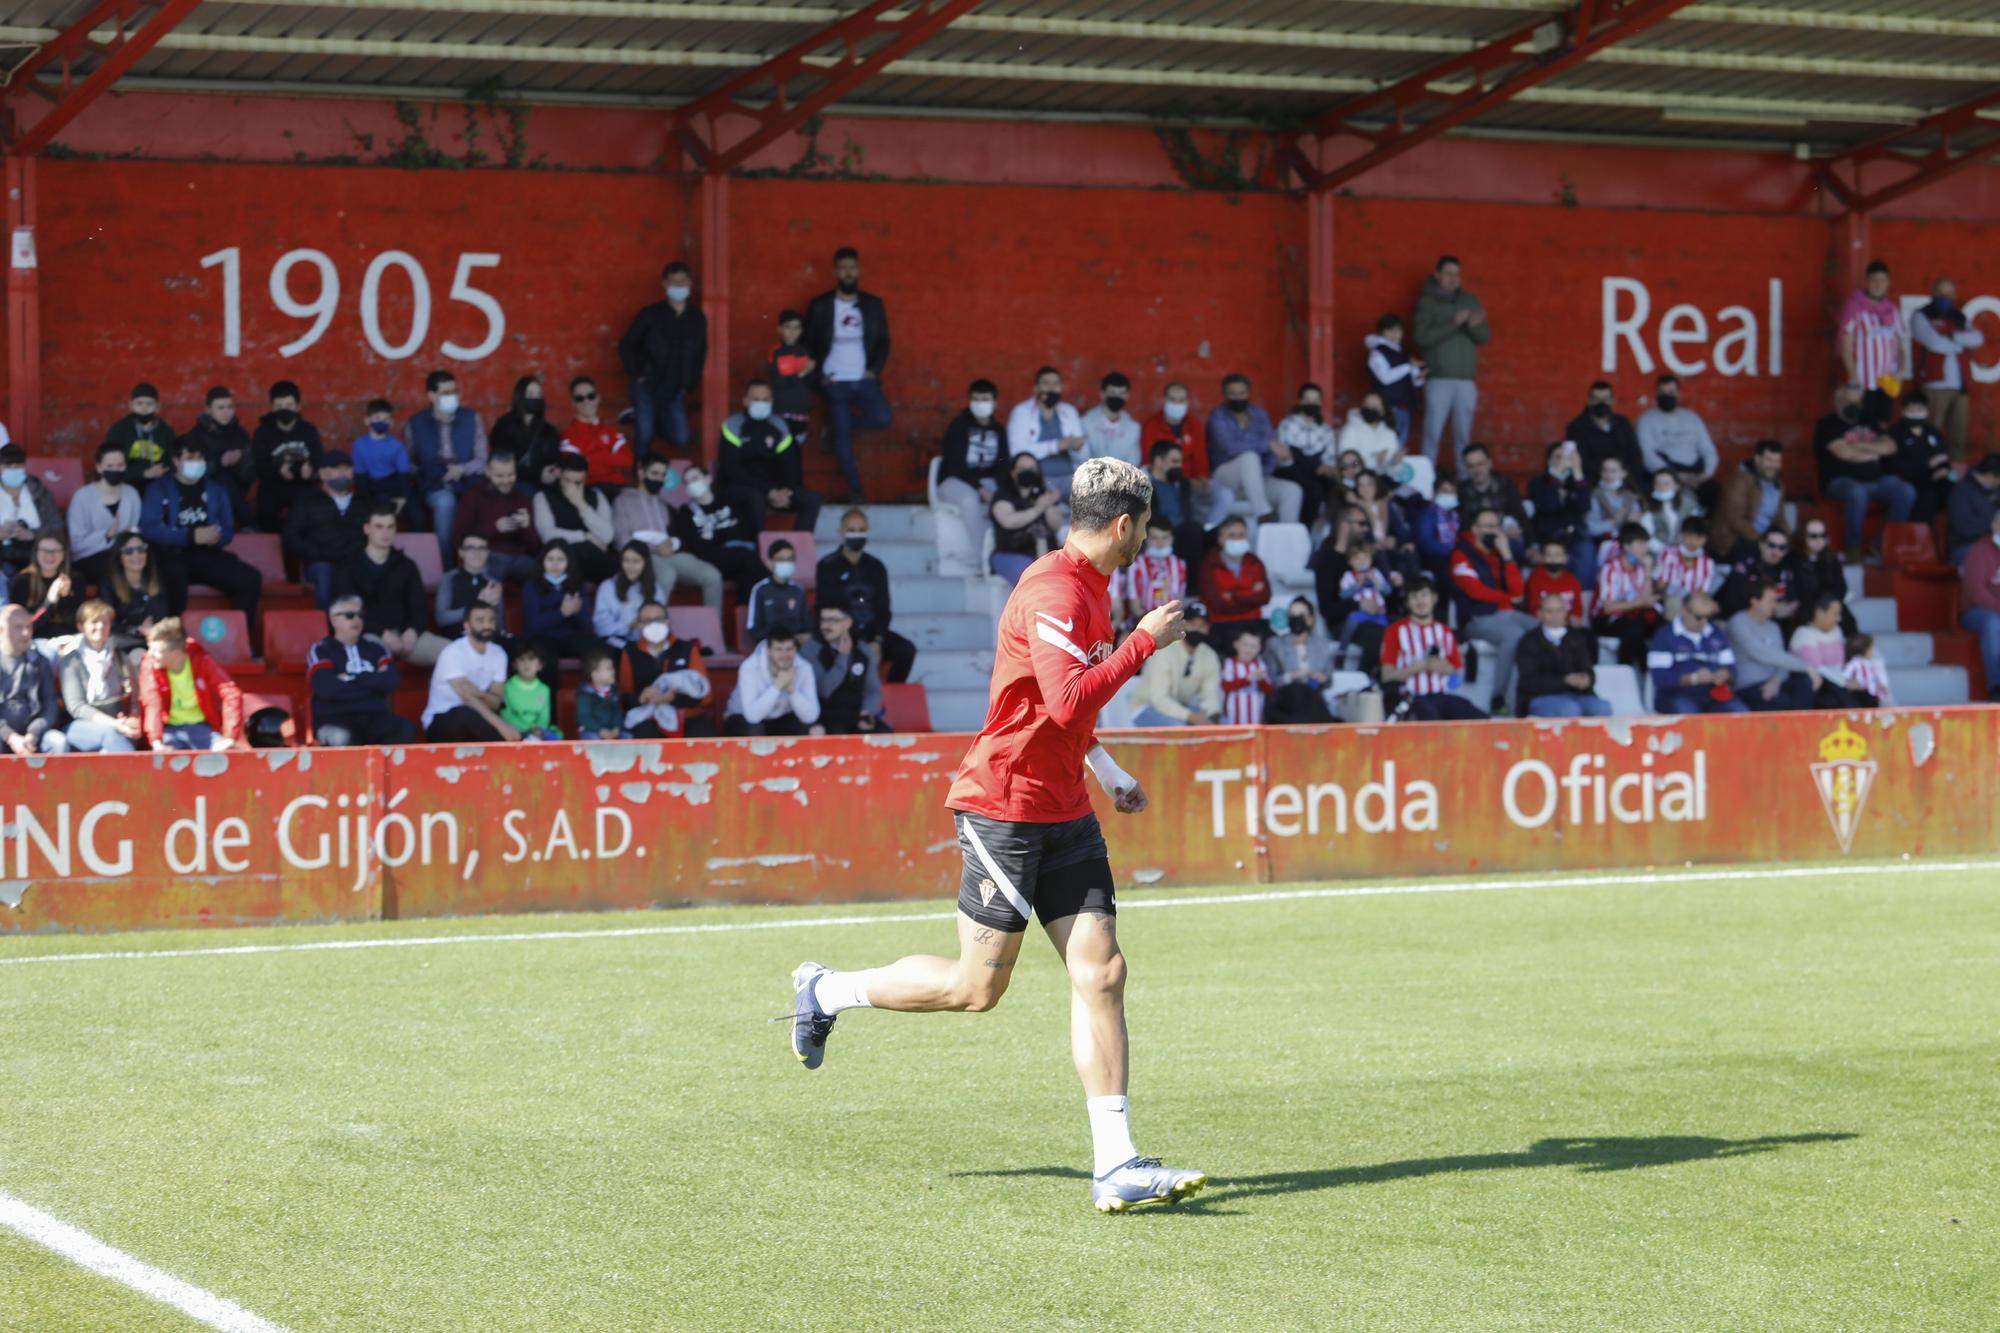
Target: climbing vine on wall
[{"x": 1225, "y": 167}]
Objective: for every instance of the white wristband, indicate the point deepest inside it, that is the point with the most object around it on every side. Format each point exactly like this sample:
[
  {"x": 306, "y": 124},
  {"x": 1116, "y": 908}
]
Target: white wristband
[{"x": 1111, "y": 777}]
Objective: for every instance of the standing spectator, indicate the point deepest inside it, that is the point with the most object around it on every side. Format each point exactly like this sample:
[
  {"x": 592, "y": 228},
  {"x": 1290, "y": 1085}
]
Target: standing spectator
[
  {"x": 642, "y": 514},
  {"x": 1692, "y": 663},
  {"x": 525, "y": 431},
  {"x": 285, "y": 451},
  {"x": 1178, "y": 424},
  {"x": 1628, "y": 596},
  {"x": 146, "y": 438},
  {"x": 1852, "y": 456},
  {"x": 353, "y": 679},
  {"x": 1049, "y": 430},
  {"x": 601, "y": 444},
  {"x": 1601, "y": 431},
  {"x": 1768, "y": 678},
  {"x": 466, "y": 686},
  {"x": 664, "y": 350},
  {"x": 716, "y": 532},
  {"x": 776, "y": 694},
  {"x": 860, "y": 583},
  {"x": 1686, "y": 568},
  {"x": 1451, "y": 326},
  {"x": 553, "y": 608},
  {"x": 51, "y": 594},
  {"x": 526, "y": 702},
  {"x": 99, "y": 690},
  {"x": 760, "y": 467},
  {"x": 1751, "y": 504},
  {"x": 1554, "y": 578},
  {"x": 186, "y": 520},
  {"x": 600, "y": 714},
  {"x": 1392, "y": 375},
  {"x": 1246, "y": 682},
  {"x": 28, "y": 693},
  {"x": 578, "y": 517},
  {"x": 1174, "y": 500},
  {"x": 1979, "y": 583},
  {"x": 615, "y": 615},
  {"x": 1487, "y": 586},
  {"x": 382, "y": 466},
  {"x": 1668, "y": 505},
  {"x": 1305, "y": 449},
  {"x": 1612, "y": 506},
  {"x": 1234, "y": 583},
  {"x": 1770, "y": 566},
  {"x": 1921, "y": 459},
  {"x": 499, "y": 510},
  {"x": 1241, "y": 456},
  {"x": 136, "y": 592},
  {"x": 1301, "y": 664},
  {"x": 186, "y": 701},
  {"x": 1156, "y": 577},
  {"x": 1562, "y": 502},
  {"x": 850, "y": 688},
  {"x": 975, "y": 460},
  {"x": 1822, "y": 644},
  {"x": 1871, "y": 339},
  {"x": 99, "y": 512},
  {"x": 1023, "y": 529},
  {"x": 1181, "y": 684},
  {"x": 1942, "y": 335},
  {"x": 1974, "y": 500},
  {"x": 1483, "y": 488},
  {"x": 27, "y": 511},
  {"x": 323, "y": 528},
  {"x": 1422, "y": 656},
  {"x": 664, "y": 680},
  {"x": 790, "y": 369},
  {"x": 1436, "y": 532},
  {"x": 1673, "y": 438},
  {"x": 467, "y": 586},
  {"x": 1111, "y": 431},
  {"x": 231, "y": 458},
  {"x": 847, "y": 333},
  {"x": 1558, "y": 678},
  {"x": 450, "y": 445},
  {"x": 778, "y": 603},
  {"x": 391, "y": 588}
]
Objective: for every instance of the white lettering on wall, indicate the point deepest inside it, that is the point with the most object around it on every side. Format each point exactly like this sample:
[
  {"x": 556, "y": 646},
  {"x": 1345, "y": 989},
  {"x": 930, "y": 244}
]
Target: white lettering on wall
[
  {"x": 1683, "y": 335},
  {"x": 323, "y": 304}
]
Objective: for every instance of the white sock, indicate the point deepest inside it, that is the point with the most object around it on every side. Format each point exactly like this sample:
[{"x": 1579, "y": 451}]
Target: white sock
[
  {"x": 841, "y": 990},
  {"x": 1110, "y": 1132}
]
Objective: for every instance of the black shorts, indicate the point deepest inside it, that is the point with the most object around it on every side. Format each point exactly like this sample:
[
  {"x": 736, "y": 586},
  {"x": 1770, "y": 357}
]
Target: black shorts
[{"x": 1058, "y": 870}]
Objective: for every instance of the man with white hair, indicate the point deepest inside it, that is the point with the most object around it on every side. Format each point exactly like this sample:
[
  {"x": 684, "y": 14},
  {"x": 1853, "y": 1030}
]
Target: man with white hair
[{"x": 1030, "y": 842}]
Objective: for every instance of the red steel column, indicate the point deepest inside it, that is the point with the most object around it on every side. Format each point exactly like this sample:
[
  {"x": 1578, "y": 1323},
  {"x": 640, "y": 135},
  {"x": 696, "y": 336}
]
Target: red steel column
[
  {"x": 717, "y": 390},
  {"x": 1319, "y": 293},
  {"x": 24, "y": 307}
]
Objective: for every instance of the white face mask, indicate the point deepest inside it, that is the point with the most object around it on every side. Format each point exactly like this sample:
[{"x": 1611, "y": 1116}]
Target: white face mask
[
  {"x": 1236, "y": 547},
  {"x": 982, "y": 408},
  {"x": 1555, "y": 633},
  {"x": 699, "y": 491},
  {"x": 759, "y": 410},
  {"x": 447, "y": 403},
  {"x": 784, "y": 569},
  {"x": 1159, "y": 548},
  {"x": 679, "y": 293},
  {"x": 556, "y": 579},
  {"x": 1666, "y": 496},
  {"x": 1176, "y": 412},
  {"x": 1447, "y": 502},
  {"x": 654, "y": 633}
]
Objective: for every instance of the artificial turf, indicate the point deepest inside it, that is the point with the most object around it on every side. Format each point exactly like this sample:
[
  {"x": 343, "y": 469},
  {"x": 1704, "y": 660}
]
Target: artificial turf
[{"x": 1712, "y": 1105}]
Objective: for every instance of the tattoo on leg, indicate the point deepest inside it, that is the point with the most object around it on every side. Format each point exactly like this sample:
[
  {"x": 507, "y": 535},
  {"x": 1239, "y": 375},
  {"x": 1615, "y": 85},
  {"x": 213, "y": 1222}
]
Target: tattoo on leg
[
  {"x": 983, "y": 934},
  {"x": 998, "y": 964}
]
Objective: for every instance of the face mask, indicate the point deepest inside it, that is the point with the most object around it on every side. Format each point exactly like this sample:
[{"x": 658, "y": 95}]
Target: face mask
[
  {"x": 111, "y": 476},
  {"x": 855, "y": 541},
  {"x": 1371, "y": 416},
  {"x": 1239, "y": 404},
  {"x": 447, "y": 403},
  {"x": 783, "y": 570},
  {"x": 1917, "y": 417},
  {"x": 1301, "y": 624},
  {"x": 1312, "y": 410},
  {"x": 556, "y": 579},
  {"x": 1175, "y": 413},
  {"x": 654, "y": 485},
  {"x": 759, "y": 411},
  {"x": 378, "y": 428},
  {"x": 1050, "y": 397},
  {"x": 679, "y": 293},
  {"x": 1175, "y": 476},
  {"x": 699, "y": 491},
  {"x": 1236, "y": 547},
  {"x": 340, "y": 485},
  {"x": 1114, "y": 402},
  {"x": 1612, "y": 484},
  {"x": 981, "y": 409},
  {"x": 1489, "y": 540},
  {"x": 1601, "y": 411},
  {"x": 13, "y": 478},
  {"x": 1851, "y": 413},
  {"x": 1560, "y": 472},
  {"x": 1666, "y": 496},
  {"x": 1555, "y": 633},
  {"x": 144, "y": 418},
  {"x": 1447, "y": 502},
  {"x": 194, "y": 471},
  {"x": 654, "y": 633},
  {"x": 530, "y": 407},
  {"x": 1669, "y": 401},
  {"x": 1027, "y": 483},
  {"x": 287, "y": 420},
  {"x": 1159, "y": 548}
]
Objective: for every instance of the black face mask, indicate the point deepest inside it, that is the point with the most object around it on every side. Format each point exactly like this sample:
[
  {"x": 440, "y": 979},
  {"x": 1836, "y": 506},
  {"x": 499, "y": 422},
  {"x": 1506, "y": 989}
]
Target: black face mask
[
  {"x": 531, "y": 407},
  {"x": 1851, "y": 413},
  {"x": 144, "y": 417},
  {"x": 855, "y": 541},
  {"x": 1312, "y": 410},
  {"x": 1669, "y": 401},
  {"x": 1302, "y": 624},
  {"x": 1490, "y": 541},
  {"x": 1050, "y": 397},
  {"x": 1028, "y": 483},
  {"x": 114, "y": 476},
  {"x": 1175, "y": 476},
  {"x": 287, "y": 420},
  {"x": 1555, "y": 566},
  {"x": 1114, "y": 402},
  {"x": 1239, "y": 404},
  {"x": 654, "y": 485},
  {"x": 1368, "y": 414},
  {"x": 1602, "y": 411}
]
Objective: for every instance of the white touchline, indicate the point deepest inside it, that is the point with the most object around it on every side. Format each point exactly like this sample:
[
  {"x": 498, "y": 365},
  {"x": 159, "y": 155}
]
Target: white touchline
[
  {"x": 1645, "y": 879},
  {"x": 84, "y": 1249}
]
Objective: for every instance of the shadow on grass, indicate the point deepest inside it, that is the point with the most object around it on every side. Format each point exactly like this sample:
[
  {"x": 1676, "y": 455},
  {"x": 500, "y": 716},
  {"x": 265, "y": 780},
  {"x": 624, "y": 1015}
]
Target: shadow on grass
[{"x": 1586, "y": 1155}]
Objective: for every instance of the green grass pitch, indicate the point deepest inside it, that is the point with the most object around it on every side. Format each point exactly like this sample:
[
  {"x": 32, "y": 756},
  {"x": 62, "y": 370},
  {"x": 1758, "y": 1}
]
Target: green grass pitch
[{"x": 1723, "y": 1104}]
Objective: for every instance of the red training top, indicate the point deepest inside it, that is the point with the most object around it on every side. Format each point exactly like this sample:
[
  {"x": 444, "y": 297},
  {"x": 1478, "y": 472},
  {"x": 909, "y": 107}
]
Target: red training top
[
  {"x": 1053, "y": 670},
  {"x": 603, "y": 447}
]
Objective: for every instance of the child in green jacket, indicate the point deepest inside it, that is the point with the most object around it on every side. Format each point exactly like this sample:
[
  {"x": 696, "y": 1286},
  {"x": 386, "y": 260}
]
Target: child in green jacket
[{"x": 526, "y": 703}]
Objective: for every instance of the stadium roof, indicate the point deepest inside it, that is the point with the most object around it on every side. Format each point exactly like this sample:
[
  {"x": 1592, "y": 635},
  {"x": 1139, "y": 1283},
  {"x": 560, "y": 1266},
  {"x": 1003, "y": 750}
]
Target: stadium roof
[{"x": 1825, "y": 73}]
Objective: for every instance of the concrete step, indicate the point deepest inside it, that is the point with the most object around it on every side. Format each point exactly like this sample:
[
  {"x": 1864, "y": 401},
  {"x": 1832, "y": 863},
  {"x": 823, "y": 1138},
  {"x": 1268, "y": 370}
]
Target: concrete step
[
  {"x": 1857, "y": 576},
  {"x": 954, "y": 669},
  {"x": 926, "y": 594},
  {"x": 957, "y": 710},
  {"x": 901, "y": 557},
  {"x": 1874, "y": 615},
  {"x": 1905, "y": 649},
  {"x": 885, "y": 523},
  {"x": 1917, "y": 687},
  {"x": 964, "y": 632}
]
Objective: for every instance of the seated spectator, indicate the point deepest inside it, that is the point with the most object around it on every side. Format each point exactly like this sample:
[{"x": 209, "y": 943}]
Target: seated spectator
[
  {"x": 578, "y": 517},
  {"x": 1612, "y": 506},
  {"x": 860, "y": 582},
  {"x": 760, "y": 467},
  {"x": 1867, "y": 677},
  {"x": 1421, "y": 655},
  {"x": 552, "y": 608},
  {"x": 1554, "y": 578},
  {"x": 1108, "y": 429},
  {"x": 641, "y": 514},
  {"x": 1246, "y": 682},
  {"x": 98, "y": 513},
  {"x": 1821, "y": 643},
  {"x": 468, "y": 585},
  {"x": 1330, "y": 562},
  {"x": 1975, "y": 499},
  {"x": 526, "y": 703},
  {"x": 450, "y": 447},
  {"x": 1601, "y": 431},
  {"x": 1025, "y": 518},
  {"x": 51, "y": 594},
  {"x": 323, "y": 530},
  {"x": 186, "y": 701},
  {"x": 28, "y": 693},
  {"x": 1483, "y": 488},
  {"x": 1770, "y": 567},
  {"x": 1686, "y": 567},
  {"x": 1556, "y": 664},
  {"x": 1562, "y": 505},
  {"x": 1156, "y": 577},
  {"x": 1242, "y": 457},
  {"x": 1393, "y": 376},
  {"x": 1369, "y": 436},
  {"x": 599, "y": 443},
  {"x": 146, "y": 438},
  {"x": 525, "y": 432},
  {"x": 1674, "y": 438},
  {"x": 974, "y": 461},
  {"x": 600, "y": 713},
  {"x": 1922, "y": 459},
  {"x": 353, "y": 679},
  {"x": 232, "y": 458},
  {"x": 1234, "y": 583},
  {"x": 391, "y": 589},
  {"x": 467, "y": 684},
  {"x": 1305, "y": 451},
  {"x": 790, "y": 367},
  {"x": 1488, "y": 587},
  {"x": 1751, "y": 503},
  {"x": 1668, "y": 505},
  {"x": 100, "y": 691},
  {"x": 1181, "y": 684},
  {"x": 285, "y": 453},
  {"x": 1300, "y": 662},
  {"x": 382, "y": 466},
  {"x": 1979, "y": 593},
  {"x": 1436, "y": 530},
  {"x": 187, "y": 523},
  {"x": 1768, "y": 678},
  {"x": 501, "y": 511},
  {"x": 1628, "y": 596},
  {"x": 615, "y": 615},
  {"x": 664, "y": 682},
  {"x": 1812, "y": 570},
  {"x": 778, "y": 603},
  {"x": 137, "y": 596},
  {"x": 27, "y": 511},
  {"x": 1047, "y": 429},
  {"x": 1174, "y": 501},
  {"x": 717, "y": 532},
  {"x": 1692, "y": 663},
  {"x": 844, "y": 673},
  {"x": 1366, "y": 590},
  {"x": 776, "y": 694},
  {"x": 1385, "y": 528},
  {"x": 1853, "y": 458}
]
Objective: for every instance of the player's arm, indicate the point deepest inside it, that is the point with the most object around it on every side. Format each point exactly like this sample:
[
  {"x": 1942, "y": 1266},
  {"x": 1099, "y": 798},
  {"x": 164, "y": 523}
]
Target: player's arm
[
  {"x": 1123, "y": 787},
  {"x": 1073, "y": 690}
]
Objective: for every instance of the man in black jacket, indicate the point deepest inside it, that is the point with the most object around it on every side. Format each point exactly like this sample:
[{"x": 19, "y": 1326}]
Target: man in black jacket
[
  {"x": 709, "y": 527},
  {"x": 323, "y": 531},
  {"x": 858, "y": 583},
  {"x": 353, "y": 678},
  {"x": 1601, "y": 432},
  {"x": 1557, "y": 667},
  {"x": 286, "y": 450},
  {"x": 664, "y": 351},
  {"x": 222, "y": 438},
  {"x": 758, "y": 467},
  {"x": 392, "y": 590},
  {"x": 847, "y": 332}
]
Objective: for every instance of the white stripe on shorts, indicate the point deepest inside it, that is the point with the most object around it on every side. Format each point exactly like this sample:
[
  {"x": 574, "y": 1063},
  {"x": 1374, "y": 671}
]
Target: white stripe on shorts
[{"x": 1007, "y": 889}]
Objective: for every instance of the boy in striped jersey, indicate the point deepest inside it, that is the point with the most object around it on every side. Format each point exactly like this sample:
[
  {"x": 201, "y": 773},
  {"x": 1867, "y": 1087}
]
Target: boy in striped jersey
[
  {"x": 1423, "y": 656},
  {"x": 1687, "y": 568},
  {"x": 1628, "y": 594},
  {"x": 1246, "y": 683}
]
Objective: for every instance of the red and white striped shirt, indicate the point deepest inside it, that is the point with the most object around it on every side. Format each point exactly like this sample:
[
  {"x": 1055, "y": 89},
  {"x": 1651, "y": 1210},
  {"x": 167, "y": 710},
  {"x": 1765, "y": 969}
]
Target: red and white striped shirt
[
  {"x": 1244, "y": 685},
  {"x": 1683, "y": 575},
  {"x": 1151, "y": 580},
  {"x": 1877, "y": 329},
  {"x": 1407, "y": 641},
  {"x": 1868, "y": 673},
  {"x": 1621, "y": 581}
]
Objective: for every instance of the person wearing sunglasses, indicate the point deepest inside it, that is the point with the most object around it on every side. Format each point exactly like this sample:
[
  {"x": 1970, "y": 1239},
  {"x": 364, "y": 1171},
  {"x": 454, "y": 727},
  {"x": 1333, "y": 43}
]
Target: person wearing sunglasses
[
  {"x": 600, "y": 442},
  {"x": 1770, "y": 566},
  {"x": 353, "y": 678}
]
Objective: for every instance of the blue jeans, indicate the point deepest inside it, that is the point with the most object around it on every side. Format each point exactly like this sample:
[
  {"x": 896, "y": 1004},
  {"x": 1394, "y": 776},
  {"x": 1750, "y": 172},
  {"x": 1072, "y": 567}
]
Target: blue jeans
[
  {"x": 319, "y": 577},
  {"x": 1684, "y": 699},
  {"x": 1583, "y": 563},
  {"x": 851, "y": 404},
  {"x": 90, "y": 737},
  {"x": 444, "y": 512},
  {"x": 511, "y": 568},
  {"x": 1011, "y": 567},
  {"x": 1986, "y": 625},
  {"x": 1153, "y": 717},
  {"x": 1399, "y": 417},
  {"x": 1896, "y": 495},
  {"x": 667, "y": 417},
  {"x": 1569, "y": 705},
  {"x": 193, "y": 736}
]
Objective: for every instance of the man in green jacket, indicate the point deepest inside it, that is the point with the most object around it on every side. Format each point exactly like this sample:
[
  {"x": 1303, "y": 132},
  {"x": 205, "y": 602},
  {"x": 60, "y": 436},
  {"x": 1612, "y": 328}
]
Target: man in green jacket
[{"x": 1450, "y": 326}]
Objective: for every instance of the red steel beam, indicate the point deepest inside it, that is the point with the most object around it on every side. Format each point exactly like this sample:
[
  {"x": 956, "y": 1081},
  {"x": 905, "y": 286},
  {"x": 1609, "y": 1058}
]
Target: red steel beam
[
  {"x": 885, "y": 38},
  {"x": 132, "y": 41},
  {"x": 1936, "y": 165},
  {"x": 1494, "y": 74}
]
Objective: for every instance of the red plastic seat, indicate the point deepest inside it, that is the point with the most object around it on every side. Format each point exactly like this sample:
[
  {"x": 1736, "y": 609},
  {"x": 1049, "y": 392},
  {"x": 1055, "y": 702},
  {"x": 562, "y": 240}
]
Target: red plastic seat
[
  {"x": 803, "y": 551},
  {"x": 1912, "y": 548},
  {"x": 224, "y": 634},
  {"x": 703, "y": 624},
  {"x": 265, "y": 553},
  {"x": 907, "y": 707},
  {"x": 63, "y": 477},
  {"x": 422, "y": 548},
  {"x": 287, "y": 636}
]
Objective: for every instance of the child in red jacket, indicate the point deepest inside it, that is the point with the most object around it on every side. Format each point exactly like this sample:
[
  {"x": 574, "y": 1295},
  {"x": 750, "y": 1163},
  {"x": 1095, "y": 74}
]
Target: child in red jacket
[{"x": 186, "y": 701}]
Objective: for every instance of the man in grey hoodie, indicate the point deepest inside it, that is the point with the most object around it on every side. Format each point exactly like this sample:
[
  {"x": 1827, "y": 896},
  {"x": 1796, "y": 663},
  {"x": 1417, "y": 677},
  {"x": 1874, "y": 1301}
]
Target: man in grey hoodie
[
  {"x": 1451, "y": 324},
  {"x": 1768, "y": 678}
]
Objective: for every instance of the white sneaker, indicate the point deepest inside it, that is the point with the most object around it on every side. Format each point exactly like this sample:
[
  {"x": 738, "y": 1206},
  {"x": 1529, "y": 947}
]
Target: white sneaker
[{"x": 1141, "y": 1181}]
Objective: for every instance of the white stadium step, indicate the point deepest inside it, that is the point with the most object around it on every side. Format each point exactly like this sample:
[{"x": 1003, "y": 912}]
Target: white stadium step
[
  {"x": 929, "y": 594},
  {"x": 962, "y": 632},
  {"x": 1856, "y": 582},
  {"x": 1928, "y": 686},
  {"x": 1875, "y": 615},
  {"x": 1905, "y": 649},
  {"x": 954, "y": 670},
  {"x": 886, "y": 523},
  {"x": 956, "y": 710}
]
